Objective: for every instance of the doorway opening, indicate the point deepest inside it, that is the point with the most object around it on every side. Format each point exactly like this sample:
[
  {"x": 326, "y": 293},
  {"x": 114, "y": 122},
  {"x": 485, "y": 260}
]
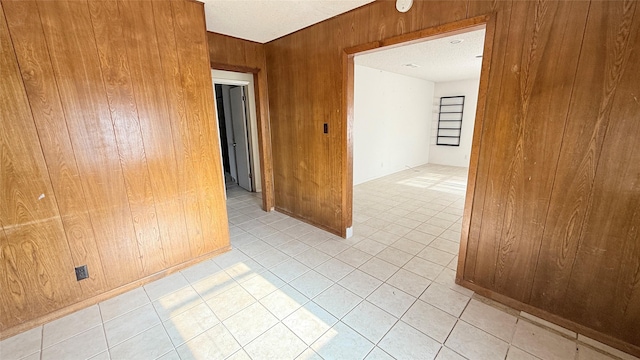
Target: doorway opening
[
  {"x": 237, "y": 122},
  {"x": 421, "y": 197}
]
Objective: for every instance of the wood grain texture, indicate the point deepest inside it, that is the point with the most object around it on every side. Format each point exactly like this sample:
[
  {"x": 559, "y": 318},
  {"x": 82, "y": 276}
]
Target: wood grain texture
[
  {"x": 599, "y": 73},
  {"x": 109, "y": 34},
  {"x": 544, "y": 220},
  {"x": 33, "y": 247},
  {"x": 108, "y": 157},
  {"x": 198, "y": 94},
  {"x": 31, "y": 50},
  {"x": 233, "y": 54},
  {"x": 72, "y": 49},
  {"x": 309, "y": 165}
]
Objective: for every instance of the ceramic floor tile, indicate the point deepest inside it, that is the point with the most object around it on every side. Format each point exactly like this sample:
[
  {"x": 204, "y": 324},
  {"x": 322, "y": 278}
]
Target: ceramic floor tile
[
  {"x": 311, "y": 284},
  {"x": 166, "y": 286},
  {"x": 409, "y": 282},
  {"x": 588, "y": 353},
  {"x": 405, "y": 342},
  {"x": 284, "y": 301},
  {"x": 130, "y": 324},
  {"x": 431, "y": 229},
  {"x": 392, "y": 300},
  {"x": 353, "y": 257},
  {"x": 310, "y": 322},
  {"x": 278, "y": 239},
  {"x": 436, "y": 256},
  {"x": 369, "y": 246},
  {"x": 262, "y": 285},
  {"x": 420, "y": 237},
  {"x": 445, "y": 299},
  {"x": 518, "y": 354},
  {"x": 289, "y": 270},
  {"x": 398, "y": 229},
  {"x": 93, "y": 343},
  {"x": 370, "y": 321},
  {"x": 337, "y": 300},
  {"x": 492, "y": 320},
  {"x": 190, "y": 323},
  {"x": 214, "y": 285},
  {"x": 21, "y": 345},
  {"x": 360, "y": 283},
  {"x": 200, "y": 271},
  {"x": 105, "y": 356},
  {"x": 70, "y": 325},
  {"x": 548, "y": 324},
  {"x": 378, "y": 354},
  {"x": 394, "y": 256},
  {"x": 446, "y": 245},
  {"x": 150, "y": 344},
  {"x": 448, "y": 354},
  {"x": 605, "y": 348},
  {"x": 122, "y": 304},
  {"x": 379, "y": 269},
  {"x": 431, "y": 321},
  {"x": 249, "y": 323},
  {"x": 177, "y": 302},
  {"x": 341, "y": 342},
  {"x": 215, "y": 343},
  {"x": 230, "y": 302},
  {"x": 171, "y": 355},
  {"x": 408, "y": 246},
  {"x": 244, "y": 270},
  {"x": 239, "y": 355},
  {"x": 384, "y": 237},
  {"x": 542, "y": 342},
  {"x": 271, "y": 258},
  {"x": 277, "y": 343},
  {"x": 334, "y": 269},
  {"x": 312, "y": 257},
  {"x": 424, "y": 268},
  {"x": 474, "y": 343},
  {"x": 309, "y": 354},
  {"x": 294, "y": 248}
]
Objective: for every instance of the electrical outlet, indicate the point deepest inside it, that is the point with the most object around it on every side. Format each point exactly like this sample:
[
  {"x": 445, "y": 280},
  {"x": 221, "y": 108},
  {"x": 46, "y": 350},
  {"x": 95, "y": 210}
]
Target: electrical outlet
[{"x": 82, "y": 272}]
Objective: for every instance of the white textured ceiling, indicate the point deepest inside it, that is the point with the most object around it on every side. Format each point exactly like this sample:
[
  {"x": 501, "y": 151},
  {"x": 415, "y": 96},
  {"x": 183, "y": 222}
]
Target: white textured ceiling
[
  {"x": 438, "y": 60},
  {"x": 266, "y": 20}
]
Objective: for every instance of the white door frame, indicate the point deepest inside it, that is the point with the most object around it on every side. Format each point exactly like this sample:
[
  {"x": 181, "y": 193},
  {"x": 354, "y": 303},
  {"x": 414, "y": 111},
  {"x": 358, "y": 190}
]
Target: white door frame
[{"x": 241, "y": 79}]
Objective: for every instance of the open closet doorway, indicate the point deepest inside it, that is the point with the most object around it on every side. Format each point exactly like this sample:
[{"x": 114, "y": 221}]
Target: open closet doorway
[{"x": 236, "y": 114}]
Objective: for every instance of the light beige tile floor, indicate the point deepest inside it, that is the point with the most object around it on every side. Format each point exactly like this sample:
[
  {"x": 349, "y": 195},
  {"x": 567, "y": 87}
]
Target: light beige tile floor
[{"x": 291, "y": 291}]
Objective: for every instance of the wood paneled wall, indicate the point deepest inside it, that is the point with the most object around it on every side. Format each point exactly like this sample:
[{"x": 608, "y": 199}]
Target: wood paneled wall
[
  {"x": 233, "y": 54},
  {"x": 109, "y": 151},
  {"x": 554, "y": 218}
]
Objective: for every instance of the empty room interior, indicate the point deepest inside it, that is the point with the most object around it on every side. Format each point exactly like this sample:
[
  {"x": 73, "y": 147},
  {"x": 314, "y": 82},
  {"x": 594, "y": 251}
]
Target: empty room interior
[{"x": 310, "y": 179}]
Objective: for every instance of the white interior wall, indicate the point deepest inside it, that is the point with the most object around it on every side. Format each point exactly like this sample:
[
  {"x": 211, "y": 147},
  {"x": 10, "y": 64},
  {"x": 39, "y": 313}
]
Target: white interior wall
[
  {"x": 392, "y": 123},
  {"x": 455, "y": 155}
]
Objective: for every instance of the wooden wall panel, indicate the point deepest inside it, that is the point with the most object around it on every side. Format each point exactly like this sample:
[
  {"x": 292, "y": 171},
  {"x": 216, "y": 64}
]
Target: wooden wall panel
[
  {"x": 109, "y": 35},
  {"x": 31, "y": 49},
  {"x": 553, "y": 214},
  {"x": 205, "y": 145},
  {"x": 232, "y": 54},
  {"x": 33, "y": 240},
  {"x": 185, "y": 165},
  {"x": 72, "y": 49},
  {"x": 96, "y": 165}
]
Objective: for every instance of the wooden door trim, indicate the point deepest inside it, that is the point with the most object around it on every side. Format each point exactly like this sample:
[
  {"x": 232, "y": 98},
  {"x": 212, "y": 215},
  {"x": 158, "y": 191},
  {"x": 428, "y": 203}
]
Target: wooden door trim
[
  {"x": 462, "y": 26},
  {"x": 264, "y": 139}
]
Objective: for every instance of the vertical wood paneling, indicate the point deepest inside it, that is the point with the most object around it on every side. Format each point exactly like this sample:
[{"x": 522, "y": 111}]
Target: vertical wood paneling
[
  {"x": 605, "y": 52},
  {"x": 609, "y": 239},
  {"x": 553, "y": 217},
  {"x": 185, "y": 166},
  {"x": 95, "y": 165},
  {"x": 108, "y": 31},
  {"x": 31, "y": 50},
  {"x": 147, "y": 73},
  {"x": 72, "y": 48},
  {"x": 198, "y": 94},
  {"x": 34, "y": 253}
]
